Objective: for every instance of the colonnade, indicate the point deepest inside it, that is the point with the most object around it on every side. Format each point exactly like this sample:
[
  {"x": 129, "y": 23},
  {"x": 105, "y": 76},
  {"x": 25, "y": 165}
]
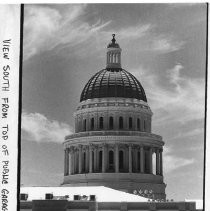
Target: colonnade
[
  {"x": 107, "y": 158},
  {"x": 113, "y": 58}
]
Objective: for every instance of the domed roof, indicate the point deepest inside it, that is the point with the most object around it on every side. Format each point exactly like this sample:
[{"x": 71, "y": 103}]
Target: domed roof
[{"x": 113, "y": 83}]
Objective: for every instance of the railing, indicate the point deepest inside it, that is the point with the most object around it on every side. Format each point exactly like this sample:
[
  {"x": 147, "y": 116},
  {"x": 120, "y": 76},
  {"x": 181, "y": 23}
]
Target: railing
[{"x": 113, "y": 133}]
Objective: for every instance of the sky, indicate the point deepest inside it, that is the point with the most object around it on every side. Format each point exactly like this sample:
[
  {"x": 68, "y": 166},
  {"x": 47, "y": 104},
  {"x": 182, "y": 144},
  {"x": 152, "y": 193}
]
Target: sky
[{"x": 163, "y": 46}]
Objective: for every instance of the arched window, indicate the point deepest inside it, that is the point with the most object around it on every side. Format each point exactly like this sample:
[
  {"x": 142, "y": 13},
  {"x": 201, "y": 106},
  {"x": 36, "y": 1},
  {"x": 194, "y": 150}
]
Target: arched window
[
  {"x": 138, "y": 124},
  {"x": 120, "y": 123},
  {"x": 130, "y": 123},
  {"x": 121, "y": 158},
  {"x": 84, "y": 125},
  {"x": 100, "y": 160},
  {"x": 92, "y": 124},
  {"x": 111, "y": 160},
  {"x": 111, "y": 123},
  {"x": 145, "y": 125},
  {"x": 101, "y": 122}
]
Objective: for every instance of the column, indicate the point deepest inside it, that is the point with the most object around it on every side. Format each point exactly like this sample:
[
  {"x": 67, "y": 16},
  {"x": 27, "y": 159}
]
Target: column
[
  {"x": 130, "y": 158},
  {"x": 75, "y": 160},
  {"x": 90, "y": 160},
  {"x": 136, "y": 159},
  {"x": 72, "y": 161},
  {"x": 69, "y": 162},
  {"x": 64, "y": 162},
  {"x": 95, "y": 159},
  {"x": 86, "y": 159},
  {"x": 150, "y": 125},
  {"x": 80, "y": 159},
  {"x": 142, "y": 159},
  {"x": 161, "y": 162},
  {"x": 116, "y": 158},
  {"x": 104, "y": 158},
  {"x": 157, "y": 162},
  {"x": 150, "y": 160}
]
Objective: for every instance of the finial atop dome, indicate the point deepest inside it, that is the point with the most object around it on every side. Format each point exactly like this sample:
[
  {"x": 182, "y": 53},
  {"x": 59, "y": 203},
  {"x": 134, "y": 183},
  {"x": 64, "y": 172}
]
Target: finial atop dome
[
  {"x": 113, "y": 44},
  {"x": 113, "y": 39}
]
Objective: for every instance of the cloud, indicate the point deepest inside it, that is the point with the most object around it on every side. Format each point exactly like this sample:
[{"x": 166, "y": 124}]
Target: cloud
[
  {"x": 46, "y": 28},
  {"x": 165, "y": 45},
  {"x": 135, "y": 32},
  {"x": 192, "y": 133},
  {"x": 180, "y": 99},
  {"x": 39, "y": 128},
  {"x": 173, "y": 162},
  {"x": 147, "y": 39}
]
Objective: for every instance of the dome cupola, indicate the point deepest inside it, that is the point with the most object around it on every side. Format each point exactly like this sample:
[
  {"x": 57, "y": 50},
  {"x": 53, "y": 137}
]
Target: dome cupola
[{"x": 113, "y": 55}]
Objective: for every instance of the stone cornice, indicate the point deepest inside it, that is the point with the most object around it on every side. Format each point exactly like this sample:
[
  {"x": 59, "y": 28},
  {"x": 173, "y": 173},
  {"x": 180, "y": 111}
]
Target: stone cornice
[
  {"x": 125, "y": 140},
  {"x": 102, "y": 104},
  {"x": 114, "y": 108},
  {"x": 129, "y": 134}
]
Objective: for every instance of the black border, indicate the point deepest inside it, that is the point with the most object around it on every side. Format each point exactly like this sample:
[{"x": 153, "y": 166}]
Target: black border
[
  {"x": 205, "y": 120},
  {"x": 20, "y": 104}
]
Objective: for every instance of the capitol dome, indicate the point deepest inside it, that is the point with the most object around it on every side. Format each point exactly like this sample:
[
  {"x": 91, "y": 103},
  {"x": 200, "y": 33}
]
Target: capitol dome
[
  {"x": 113, "y": 144},
  {"x": 113, "y": 83}
]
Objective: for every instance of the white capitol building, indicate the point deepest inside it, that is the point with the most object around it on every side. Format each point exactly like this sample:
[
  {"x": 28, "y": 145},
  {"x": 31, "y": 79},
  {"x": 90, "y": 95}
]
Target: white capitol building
[{"x": 113, "y": 144}]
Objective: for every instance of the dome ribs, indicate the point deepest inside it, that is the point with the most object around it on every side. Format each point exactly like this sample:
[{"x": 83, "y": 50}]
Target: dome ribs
[
  {"x": 123, "y": 85},
  {"x": 113, "y": 83},
  {"x": 139, "y": 88},
  {"x": 102, "y": 90},
  {"x": 128, "y": 92}
]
